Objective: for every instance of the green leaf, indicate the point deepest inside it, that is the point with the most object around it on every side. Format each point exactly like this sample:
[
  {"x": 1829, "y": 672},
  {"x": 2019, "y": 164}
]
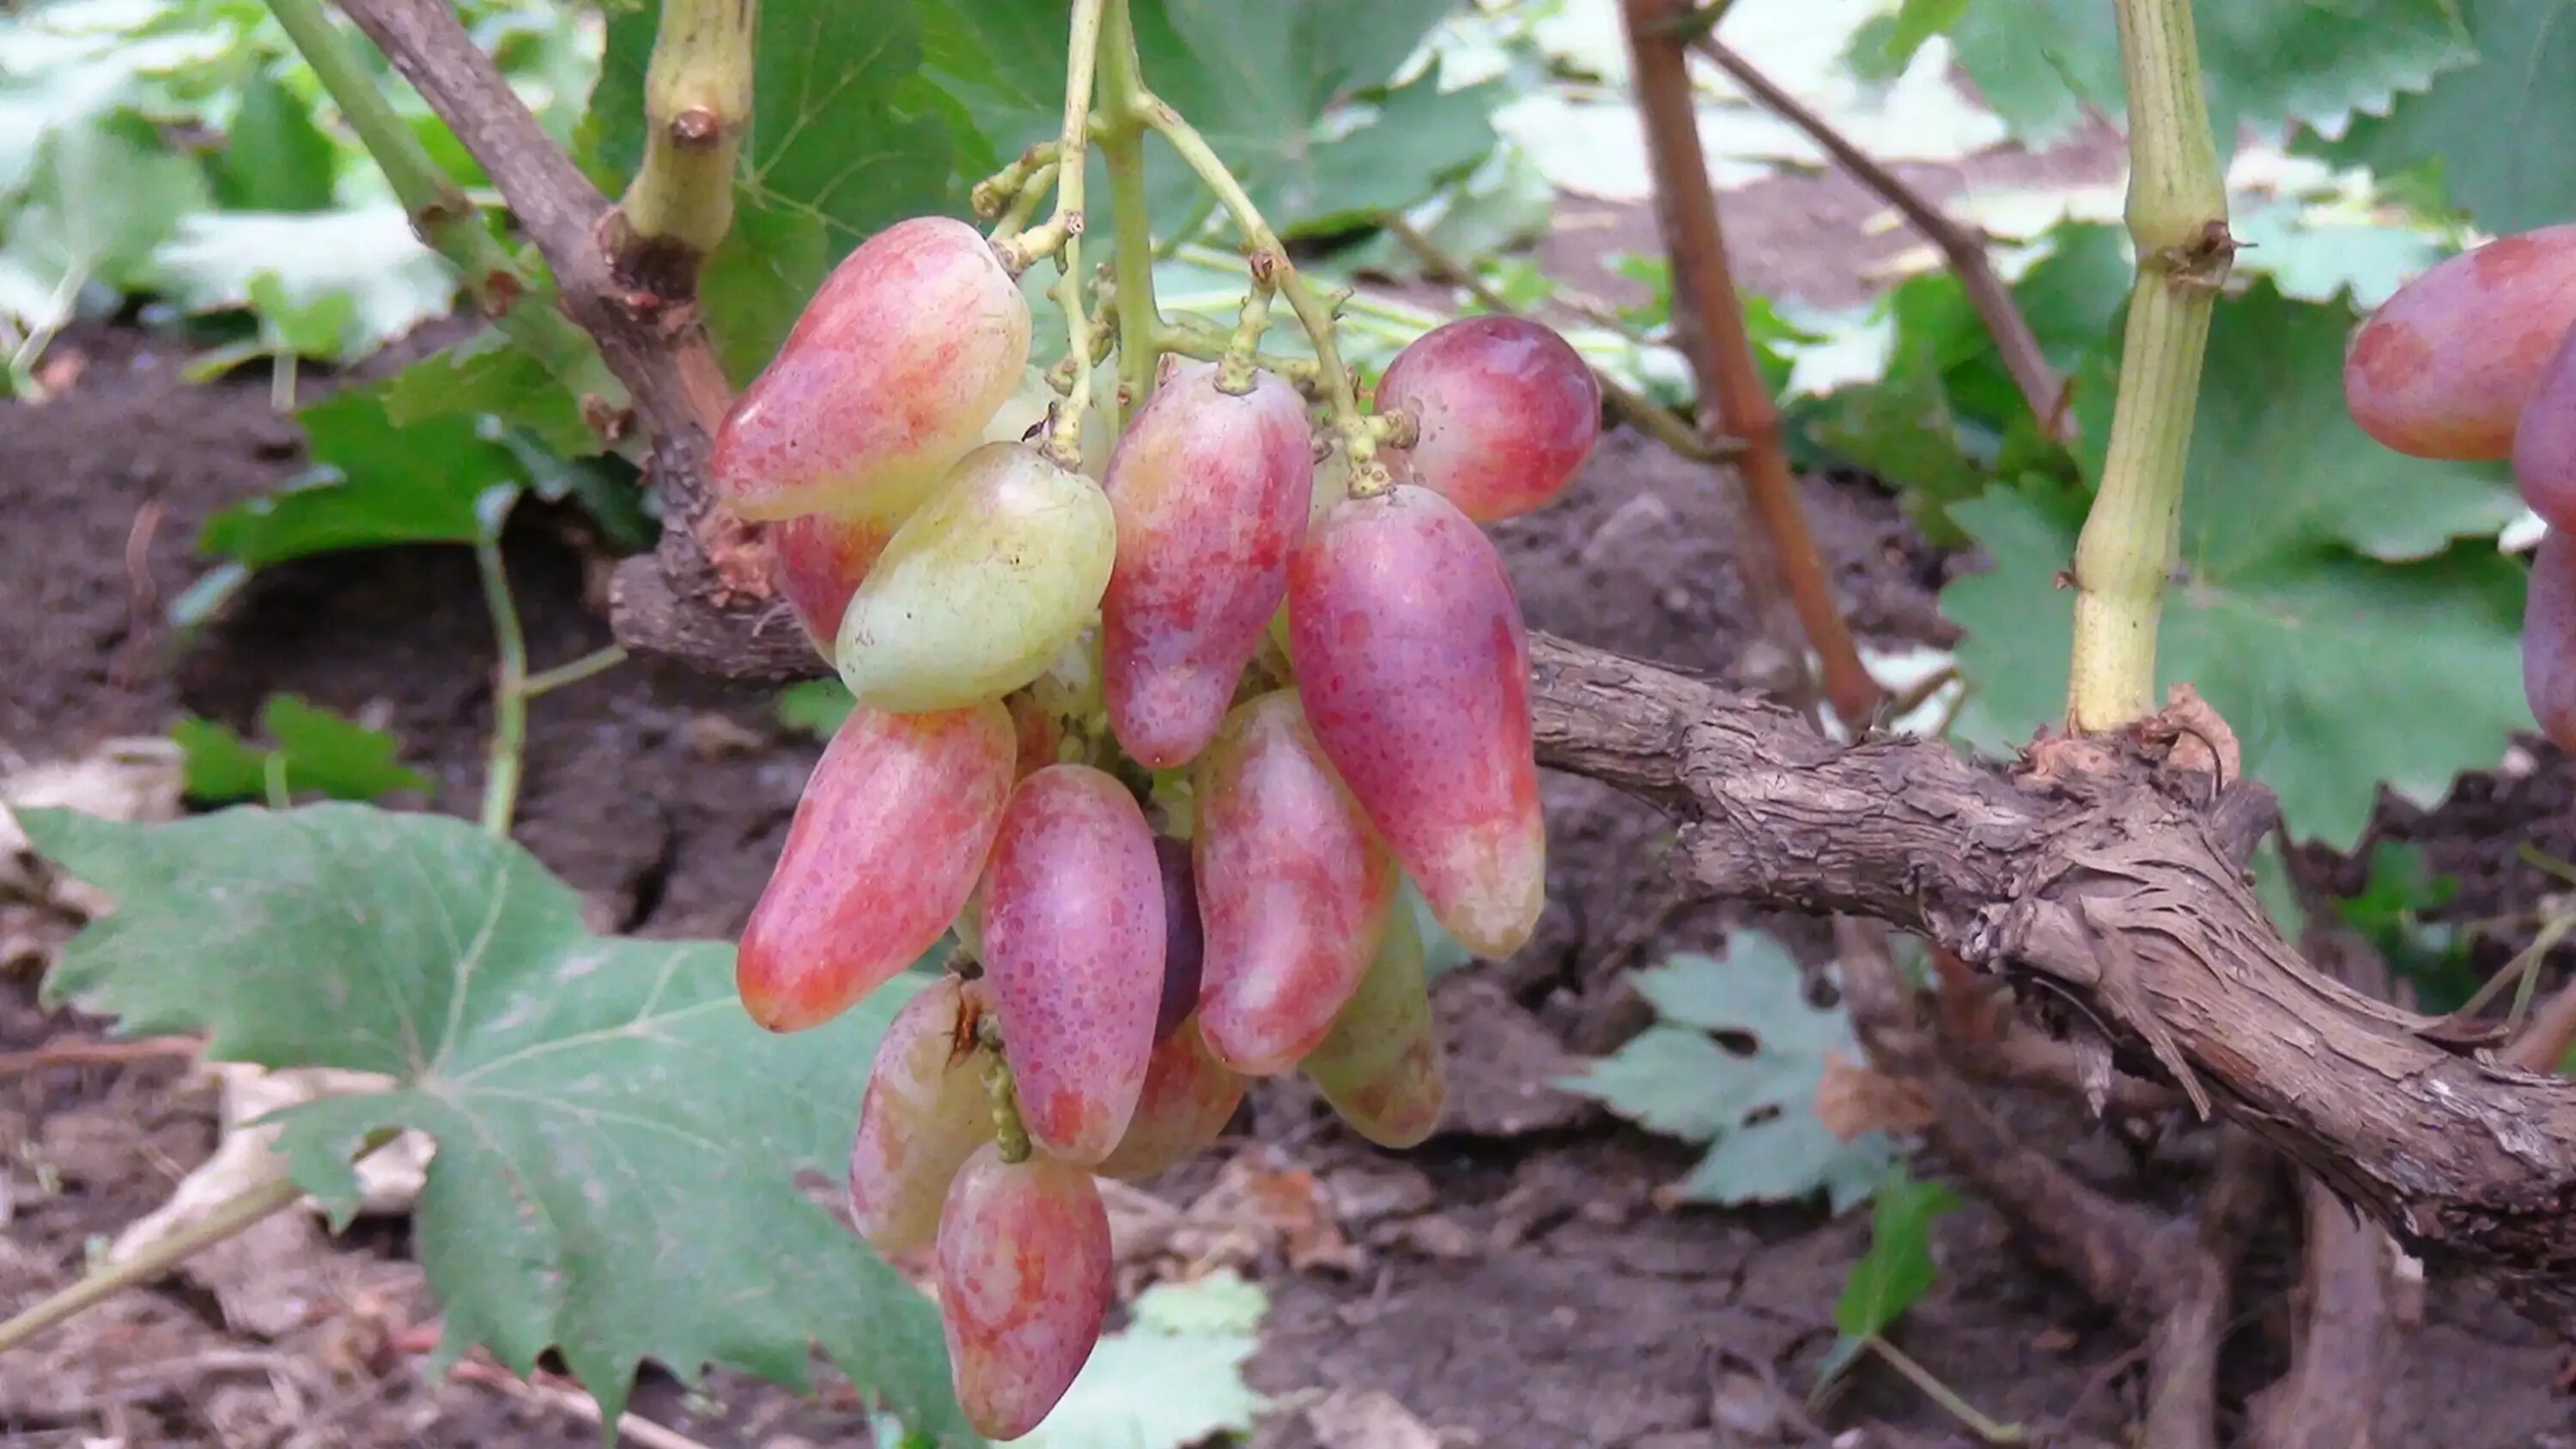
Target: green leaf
[
  {"x": 1758, "y": 1105},
  {"x": 377, "y": 484},
  {"x": 274, "y": 157},
  {"x": 842, "y": 143},
  {"x": 815, "y": 706},
  {"x": 1295, "y": 97},
  {"x": 618, "y": 1143},
  {"x": 488, "y": 374},
  {"x": 367, "y": 256},
  {"x": 2489, "y": 130},
  {"x": 2265, "y": 63},
  {"x": 1173, "y": 1378},
  {"x": 1896, "y": 1271},
  {"x": 301, "y": 328},
  {"x": 322, "y": 752},
  {"x": 100, "y": 197},
  {"x": 2392, "y": 912}
]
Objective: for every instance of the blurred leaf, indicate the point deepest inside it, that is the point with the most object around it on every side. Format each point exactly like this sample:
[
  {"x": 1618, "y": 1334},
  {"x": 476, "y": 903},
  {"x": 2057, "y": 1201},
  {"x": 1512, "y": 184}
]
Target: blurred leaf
[
  {"x": 2265, "y": 63},
  {"x": 376, "y": 484},
  {"x": 323, "y": 753},
  {"x": 2390, "y": 912},
  {"x": 1882, "y": 48},
  {"x": 618, "y": 1143},
  {"x": 1757, "y": 1106},
  {"x": 366, "y": 255},
  {"x": 840, "y": 145},
  {"x": 2489, "y": 131},
  {"x": 1172, "y": 1378},
  {"x": 1896, "y": 1271},
  {"x": 486, "y": 373},
  {"x": 815, "y": 706},
  {"x": 274, "y": 157},
  {"x": 1504, "y": 203},
  {"x": 99, "y": 198},
  {"x": 305, "y": 329}
]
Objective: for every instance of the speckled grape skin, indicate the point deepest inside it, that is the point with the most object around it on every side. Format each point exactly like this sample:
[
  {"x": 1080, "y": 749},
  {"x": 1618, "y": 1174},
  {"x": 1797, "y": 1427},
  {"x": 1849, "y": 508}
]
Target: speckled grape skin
[
  {"x": 1211, "y": 492},
  {"x": 1414, "y": 667},
  {"x": 1025, "y": 1280},
  {"x": 817, "y": 562},
  {"x": 2443, "y": 368},
  {"x": 2549, "y": 638},
  {"x": 1504, "y": 409},
  {"x": 1380, "y": 1067},
  {"x": 891, "y": 374},
  {"x": 2544, "y": 440},
  {"x": 1073, "y": 949},
  {"x": 1293, "y": 885},
  {"x": 1189, "y": 1097},
  {"x": 925, "y": 1112},
  {"x": 980, "y": 591},
  {"x": 886, "y": 845}
]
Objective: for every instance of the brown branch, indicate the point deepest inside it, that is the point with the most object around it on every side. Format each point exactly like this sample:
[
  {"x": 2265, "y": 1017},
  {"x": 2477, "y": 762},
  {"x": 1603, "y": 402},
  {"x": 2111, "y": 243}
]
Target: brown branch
[
  {"x": 648, "y": 327},
  {"x": 2552, "y": 1032},
  {"x": 1961, "y": 247},
  {"x": 2193, "y": 1294},
  {"x": 2330, "y": 1397},
  {"x": 1709, "y": 321}
]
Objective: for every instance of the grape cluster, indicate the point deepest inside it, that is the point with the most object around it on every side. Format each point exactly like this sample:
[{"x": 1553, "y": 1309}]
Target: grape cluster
[
  {"x": 1159, "y": 738},
  {"x": 2476, "y": 359}
]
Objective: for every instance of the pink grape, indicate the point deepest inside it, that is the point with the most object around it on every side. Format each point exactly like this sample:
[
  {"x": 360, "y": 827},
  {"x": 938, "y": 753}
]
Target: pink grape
[
  {"x": 1504, "y": 411},
  {"x": 2443, "y": 368},
  {"x": 2549, "y": 638},
  {"x": 1414, "y": 668},
  {"x": 1189, "y": 1097},
  {"x": 818, "y": 561},
  {"x": 905, "y": 352},
  {"x": 1211, "y": 492},
  {"x": 1184, "y": 942},
  {"x": 2544, "y": 440},
  {"x": 885, "y": 847},
  {"x": 925, "y": 1112},
  {"x": 1073, "y": 947},
  {"x": 1293, "y": 885},
  {"x": 1025, "y": 1281},
  {"x": 1380, "y": 1067}
]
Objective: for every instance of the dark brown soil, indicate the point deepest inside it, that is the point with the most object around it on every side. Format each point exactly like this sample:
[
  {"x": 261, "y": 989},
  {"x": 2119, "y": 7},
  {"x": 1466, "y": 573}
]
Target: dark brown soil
[{"x": 1531, "y": 1292}]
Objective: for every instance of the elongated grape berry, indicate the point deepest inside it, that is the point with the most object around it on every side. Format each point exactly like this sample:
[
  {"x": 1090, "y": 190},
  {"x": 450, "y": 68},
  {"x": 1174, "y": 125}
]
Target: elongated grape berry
[
  {"x": 2549, "y": 638},
  {"x": 886, "y": 380},
  {"x": 1294, "y": 888},
  {"x": 885, "y": 847},
  {"x": 1413, "y": 664},
  {"x": 2443, "y": 368},
  {"x": 1073, "y": 951},
  {"x": 817, "y": 563},
  {"x": 2544, "y": 440},
  {"x": 925, "y": 1112},
  {"x": 1182, "y": 937},
  {"x": 1211, "y": 491},
  {"x": 980, "y": 591},
  {"x": 1504, "y": 412},
  {"x": 1189, "y": 1097},
  {"x": 1025, "y": 1279},
  {"x": 1380, "y": 1067}
]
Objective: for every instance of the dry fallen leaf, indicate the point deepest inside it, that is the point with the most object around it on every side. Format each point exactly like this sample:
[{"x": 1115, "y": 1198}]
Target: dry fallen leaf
[
  {"x": 1853, "y": 1100},
  {"x": 1373, "y": 1420}
]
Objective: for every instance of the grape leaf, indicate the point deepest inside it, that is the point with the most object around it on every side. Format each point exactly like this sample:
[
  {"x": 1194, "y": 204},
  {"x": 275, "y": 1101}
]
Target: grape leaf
[
  {"x": 1757, "y": 1107},
  {"x": 100, "y": 197},
  {"x": 2487, "y": 130},
  {"x": 1896, "y": 1271},
  {"x": 274, "y": 157},
  {"x": 486, "y": 374},
  {"x": 375, "y": 484},
  {"x": 1173, "y": 1377},
  {"x": 367, "y": 254},
  {"x": 618, "y": 1143},
  {"x": 1293, "y": 95},
  {"x": 317, "y": 751},
  {"x": 2265, "y": 63},
  {"x": 843, "y": 141}
]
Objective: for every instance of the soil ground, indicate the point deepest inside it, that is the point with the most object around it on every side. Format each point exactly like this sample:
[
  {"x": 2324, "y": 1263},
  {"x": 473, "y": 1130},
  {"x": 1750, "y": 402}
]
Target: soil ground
[{"x": 1512, "y": 1283}]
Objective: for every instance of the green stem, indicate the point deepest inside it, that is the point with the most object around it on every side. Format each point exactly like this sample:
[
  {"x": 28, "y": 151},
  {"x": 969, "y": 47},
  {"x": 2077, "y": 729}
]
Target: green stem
[
  {"x": 1192, "y": 338},
  {"x": 2177, "y": 215},
  {"x": 445, "y": 218},
  {"x": 1122, "y": 145},
  {"x": 272, "y": 773},
  {"x": 1368, "y": 476},
  {"x": 697, "y": 102},
  {"x": 232, "y": 1216},
  {"x": 1062, "y": 234},
  {"x": 509, "y": 688},
  {"x": 1017, "y": 211},
  {"x": 597, "y": 661},
  {"x": 1947, "y": 1397},
  {"x": 1010, "y": 1134}
]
